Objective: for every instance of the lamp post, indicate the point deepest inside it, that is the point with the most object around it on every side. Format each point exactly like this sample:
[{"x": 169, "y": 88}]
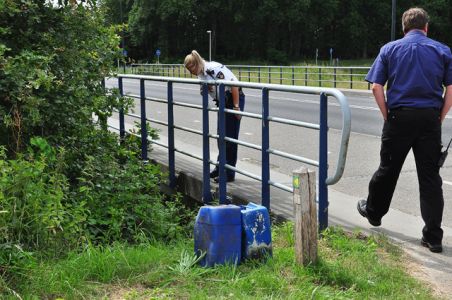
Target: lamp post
[
  {"x": 393, "y": 20},
  {"x": 123, "y": 44},
  {"x": 210, "y": 44}
]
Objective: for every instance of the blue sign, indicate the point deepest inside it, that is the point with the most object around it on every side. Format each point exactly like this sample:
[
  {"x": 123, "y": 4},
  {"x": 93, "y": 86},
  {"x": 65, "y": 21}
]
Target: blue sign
[
  {"x": 331, "y": 51},
  {"x": 157, "y": 52},
  {"x": 124, "y": 52}
]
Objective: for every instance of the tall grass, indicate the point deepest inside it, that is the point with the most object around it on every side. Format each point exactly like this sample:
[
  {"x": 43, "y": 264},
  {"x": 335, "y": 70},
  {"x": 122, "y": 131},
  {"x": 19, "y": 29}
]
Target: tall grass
[{"x": 351, "y": 266}]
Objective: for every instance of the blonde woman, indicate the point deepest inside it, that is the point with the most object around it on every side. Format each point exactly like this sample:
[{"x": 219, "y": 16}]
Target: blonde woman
[{"x": 235, "y": 99}]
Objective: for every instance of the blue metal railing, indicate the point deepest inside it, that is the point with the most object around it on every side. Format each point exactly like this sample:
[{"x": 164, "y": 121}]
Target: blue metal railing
[{"x": 265, "y": 149}]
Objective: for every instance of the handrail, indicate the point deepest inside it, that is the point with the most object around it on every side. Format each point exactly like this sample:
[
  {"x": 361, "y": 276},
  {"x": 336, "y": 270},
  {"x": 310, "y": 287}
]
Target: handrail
[
  {"x": 346, "y": 115},
  {"x": 265, "y": 179}
]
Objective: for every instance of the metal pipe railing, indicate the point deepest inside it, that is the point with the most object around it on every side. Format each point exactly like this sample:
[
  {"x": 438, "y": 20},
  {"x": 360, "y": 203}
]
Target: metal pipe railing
[
  {"x": 266, "y": 151},
  {"x": 347, "y": 77}
]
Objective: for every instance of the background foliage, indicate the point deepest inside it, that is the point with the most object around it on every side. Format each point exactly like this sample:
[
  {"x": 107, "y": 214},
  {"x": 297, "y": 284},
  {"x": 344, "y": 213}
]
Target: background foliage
[{"x": 266, "y": 30}]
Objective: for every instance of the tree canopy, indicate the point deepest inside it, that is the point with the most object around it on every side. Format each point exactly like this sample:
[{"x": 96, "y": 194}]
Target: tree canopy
[{"x": 266, "y": 29}]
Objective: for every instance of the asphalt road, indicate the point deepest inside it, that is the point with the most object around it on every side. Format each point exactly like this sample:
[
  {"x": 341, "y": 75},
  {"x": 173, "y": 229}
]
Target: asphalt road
[{"x": 364, "y": 146}]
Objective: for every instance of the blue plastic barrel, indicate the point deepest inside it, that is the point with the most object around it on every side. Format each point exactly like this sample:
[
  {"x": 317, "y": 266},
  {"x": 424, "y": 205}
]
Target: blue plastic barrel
[
  {"x": 256, "y": 232},
  {"x": 218, "y": 235}
]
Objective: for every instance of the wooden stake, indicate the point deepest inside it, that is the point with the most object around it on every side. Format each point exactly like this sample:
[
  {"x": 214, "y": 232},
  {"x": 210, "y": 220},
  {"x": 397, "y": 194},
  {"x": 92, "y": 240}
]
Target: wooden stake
[{"x": 305, "y": 216}]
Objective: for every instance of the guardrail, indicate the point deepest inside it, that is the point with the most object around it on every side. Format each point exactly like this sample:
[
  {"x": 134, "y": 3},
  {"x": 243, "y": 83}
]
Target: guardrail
[
  {"x": 321, "y": 76},
  {"x": 266, "y": 151}
]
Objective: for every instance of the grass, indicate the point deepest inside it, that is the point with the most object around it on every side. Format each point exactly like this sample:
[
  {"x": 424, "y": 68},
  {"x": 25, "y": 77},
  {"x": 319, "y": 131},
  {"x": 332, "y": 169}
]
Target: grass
[{"x": 350, "y": 266}]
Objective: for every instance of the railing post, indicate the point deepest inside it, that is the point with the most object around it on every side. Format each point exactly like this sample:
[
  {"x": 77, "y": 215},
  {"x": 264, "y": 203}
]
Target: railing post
[
  {"x": 269, "y": 75},
  {"x": 334, "y": 77},
  {"x": 306, "y": 76},
  {"x": 240, "y": 74},
  {"x": 206, "y": 194},
  {"x": 144, "y": 132},
  {"x": 280, "y": 75},
  {"x": 265, "y": 147},
  {"x": 323, "y": 163},
  {"x": 249, "y": 74},
  {"x": 122, "y": 130},
  {"x": 222, "y": 146},
  {"x": 351, "y": 78},
  {"x": 171, "y": 151},
  {"x": 293, "y": 76},
  {"x": 259, "y": 74},
  {"x": 320, "y": 77}
]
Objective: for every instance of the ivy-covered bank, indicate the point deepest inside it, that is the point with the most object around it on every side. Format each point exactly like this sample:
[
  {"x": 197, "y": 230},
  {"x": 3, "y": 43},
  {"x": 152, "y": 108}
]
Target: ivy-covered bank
[{"x": 65, "y": 182}]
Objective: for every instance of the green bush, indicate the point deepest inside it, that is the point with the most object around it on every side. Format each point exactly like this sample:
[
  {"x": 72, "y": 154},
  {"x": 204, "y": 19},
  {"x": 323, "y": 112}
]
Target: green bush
[
  {"x": 65, "y": 180},
  {"x": 33, "y": 200}
]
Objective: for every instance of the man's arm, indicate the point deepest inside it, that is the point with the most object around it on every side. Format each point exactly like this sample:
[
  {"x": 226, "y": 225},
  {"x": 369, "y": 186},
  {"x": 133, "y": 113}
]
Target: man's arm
[
  {"x": 447, "y": 102},
  {"x": 235, "y": 100},
  {"x": 379, "y": 94}
]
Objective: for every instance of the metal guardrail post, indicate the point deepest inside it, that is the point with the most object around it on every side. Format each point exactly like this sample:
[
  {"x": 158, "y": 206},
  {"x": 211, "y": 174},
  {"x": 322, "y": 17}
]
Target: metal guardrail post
[
  {"x": 265, "y": 147},
  {"x": 280, "y": 75},
  {"x": 249, "y": 74},
  {"x": 222, "y": 146},
  {"x": 269, "y": 75},
  {"x": 351, "y": 78},
  {"x": 171, "y": 151},
  {"x": 122, "y": 130},
  {"x": 240, "y": 74},
  {"x": 293, "y": 75},
  {"x": 206, "y": 194},
  {"x": 306, "y": 76},
  {"x": 335, "y": 77},
  {"x": 323, "y": 163},
  {"x": 320, "y": 77},
  {"x": 259, "y": 74},
  {"x": 144, "y": 132}
]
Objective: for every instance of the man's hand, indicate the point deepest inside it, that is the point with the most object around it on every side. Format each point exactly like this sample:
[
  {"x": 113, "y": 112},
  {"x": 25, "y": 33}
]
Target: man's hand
[
  {"x": 447, "y": 102},
  {"x": 238, "y": 117},
  {"x": 379, "y": 94}
]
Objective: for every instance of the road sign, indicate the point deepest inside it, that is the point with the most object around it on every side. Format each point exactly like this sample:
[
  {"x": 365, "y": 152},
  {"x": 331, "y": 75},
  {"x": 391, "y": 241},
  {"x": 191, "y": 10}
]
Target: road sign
[
  {"x": 124, "y": 52},
  {"x": 157, "y": 52}
]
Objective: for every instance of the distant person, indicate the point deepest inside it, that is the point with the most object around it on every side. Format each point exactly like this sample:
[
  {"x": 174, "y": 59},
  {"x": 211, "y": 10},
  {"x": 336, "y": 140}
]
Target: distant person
[
  {"x": 235, "y": 99},
  {"x": 415, "y": 69}
]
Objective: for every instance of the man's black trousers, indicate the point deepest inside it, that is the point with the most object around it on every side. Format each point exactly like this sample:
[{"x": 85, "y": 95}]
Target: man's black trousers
[{"x": 420, "y": 130}]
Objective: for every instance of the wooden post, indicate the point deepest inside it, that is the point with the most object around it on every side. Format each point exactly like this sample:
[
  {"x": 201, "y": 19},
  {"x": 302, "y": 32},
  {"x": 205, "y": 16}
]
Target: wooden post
[{"x": 305, "y": 216}]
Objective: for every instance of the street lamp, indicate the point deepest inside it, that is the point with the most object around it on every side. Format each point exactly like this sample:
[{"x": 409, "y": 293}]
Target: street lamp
[
  {"x": 393, "y": 20},
  {"x": 210, "y": 44},
  {"x": 123, "y": 44}
]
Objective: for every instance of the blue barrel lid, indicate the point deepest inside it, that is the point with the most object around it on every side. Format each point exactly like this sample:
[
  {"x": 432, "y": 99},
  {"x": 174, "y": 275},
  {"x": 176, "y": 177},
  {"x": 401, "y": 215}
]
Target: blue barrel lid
[
  {"x": 252, "y": 206},
  {"x": 220, "y": 215}
]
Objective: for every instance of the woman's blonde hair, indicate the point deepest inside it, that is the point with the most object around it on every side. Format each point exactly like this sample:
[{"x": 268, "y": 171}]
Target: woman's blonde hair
[{"x": 194, "y": 60}]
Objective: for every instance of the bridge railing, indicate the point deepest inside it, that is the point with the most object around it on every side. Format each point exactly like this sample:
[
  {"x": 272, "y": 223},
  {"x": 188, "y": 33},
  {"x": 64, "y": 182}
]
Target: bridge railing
[
  {"x": 321, "y": 76},
  {"x": 266, "y": 151}
]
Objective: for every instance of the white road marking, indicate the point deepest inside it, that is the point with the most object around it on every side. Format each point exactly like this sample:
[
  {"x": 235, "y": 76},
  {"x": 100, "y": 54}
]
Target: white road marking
[
  {"x": 248, "y": 133},
  {"x": 447, "y": 182}
]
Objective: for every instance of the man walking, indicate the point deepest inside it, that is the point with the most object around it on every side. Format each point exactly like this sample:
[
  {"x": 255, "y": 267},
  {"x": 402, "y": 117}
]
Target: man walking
[{"x": 415, "y": 69}]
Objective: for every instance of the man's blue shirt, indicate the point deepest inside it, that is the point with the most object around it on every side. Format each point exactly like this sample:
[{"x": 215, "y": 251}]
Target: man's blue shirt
[{"x": 415, "y": 68}]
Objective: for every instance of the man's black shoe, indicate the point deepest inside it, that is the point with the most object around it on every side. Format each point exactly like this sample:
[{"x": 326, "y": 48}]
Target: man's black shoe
[
  {"x": 436, "y": 248},
  {"x": 362, "y": 209},
  {"x": 214, "y": 173},
  {"x": 228, "y": 179}
]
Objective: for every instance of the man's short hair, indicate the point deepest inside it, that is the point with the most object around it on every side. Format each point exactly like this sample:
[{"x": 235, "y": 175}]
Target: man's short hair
[{"x": 414, "y": 18}]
